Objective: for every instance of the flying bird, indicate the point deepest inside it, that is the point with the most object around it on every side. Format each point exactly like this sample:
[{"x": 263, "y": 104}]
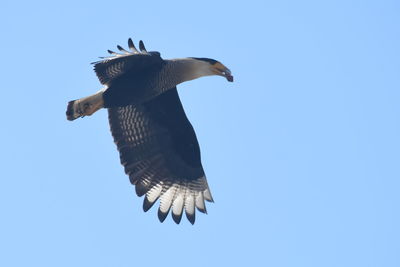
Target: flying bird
[{"x": 156, "y": 142}]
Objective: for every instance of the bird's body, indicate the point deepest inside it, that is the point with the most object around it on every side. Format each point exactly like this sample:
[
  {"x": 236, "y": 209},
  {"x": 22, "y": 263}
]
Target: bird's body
[{"x": 157, "y": 144}]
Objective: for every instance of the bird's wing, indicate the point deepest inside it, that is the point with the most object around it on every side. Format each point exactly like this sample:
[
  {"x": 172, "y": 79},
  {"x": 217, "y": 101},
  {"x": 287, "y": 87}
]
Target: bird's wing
[
  {"x": 118, "y": 64},
  {"x": 160, "y": 153}
]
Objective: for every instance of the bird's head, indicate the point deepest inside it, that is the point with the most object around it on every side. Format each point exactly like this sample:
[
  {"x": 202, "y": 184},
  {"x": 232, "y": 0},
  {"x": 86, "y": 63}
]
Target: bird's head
[{"x": 216, "y": 68}]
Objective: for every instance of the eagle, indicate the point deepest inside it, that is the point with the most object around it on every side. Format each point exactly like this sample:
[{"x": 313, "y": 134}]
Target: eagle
[{"x": 157, "y": 144}]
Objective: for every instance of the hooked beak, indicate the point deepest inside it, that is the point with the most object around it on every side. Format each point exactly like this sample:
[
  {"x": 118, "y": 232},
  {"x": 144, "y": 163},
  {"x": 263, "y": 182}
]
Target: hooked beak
[
  {"x": 228, "y": 75},
  {"x": 221, "y": 70}
]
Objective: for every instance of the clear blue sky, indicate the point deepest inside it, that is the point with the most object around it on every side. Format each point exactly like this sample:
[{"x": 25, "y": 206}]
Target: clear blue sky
[{"x": 302, "y": 151}]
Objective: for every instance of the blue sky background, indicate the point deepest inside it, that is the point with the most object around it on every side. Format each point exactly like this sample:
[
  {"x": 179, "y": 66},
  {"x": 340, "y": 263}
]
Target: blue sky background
[{"x": 301, "y": 151}]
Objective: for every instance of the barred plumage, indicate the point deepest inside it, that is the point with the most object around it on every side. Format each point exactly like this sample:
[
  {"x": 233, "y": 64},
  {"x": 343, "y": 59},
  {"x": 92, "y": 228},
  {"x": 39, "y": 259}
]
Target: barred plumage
[{"x": 157, "y": 144}]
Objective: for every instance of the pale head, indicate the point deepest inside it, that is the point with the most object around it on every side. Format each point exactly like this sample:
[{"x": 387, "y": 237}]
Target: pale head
[{"x": 214, "y": 67}]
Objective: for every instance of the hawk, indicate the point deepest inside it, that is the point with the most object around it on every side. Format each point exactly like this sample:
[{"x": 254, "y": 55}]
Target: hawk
[{"x": 156, "y": 142}]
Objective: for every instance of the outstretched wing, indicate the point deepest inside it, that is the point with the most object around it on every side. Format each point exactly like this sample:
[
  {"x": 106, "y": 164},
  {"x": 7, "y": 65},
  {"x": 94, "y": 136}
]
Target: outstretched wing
[
  {"x": 118, "y": 64},
  {"x": 160, "y": 153}
]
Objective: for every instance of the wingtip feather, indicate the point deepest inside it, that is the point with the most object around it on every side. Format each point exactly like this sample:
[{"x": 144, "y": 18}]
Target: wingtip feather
[
  {"x": 151, "y": 197},
  {"x": 162, "y": 215},
  {"x": 177, "y": 217},
  {"x": 190, "y": 208},
  {"x": 191, "y": 217},
  {"x": 142, "y": 47},
  {"x": 147, "y": 204},
  {"x": 120, "y": 48},
  {"x": 200, "y": 205},
  {"x": 207, "y": 195},
  {"x": 177, "y": 208},
  {"x": 141, "y": 188},
  {"x": 131, "y": 45}
]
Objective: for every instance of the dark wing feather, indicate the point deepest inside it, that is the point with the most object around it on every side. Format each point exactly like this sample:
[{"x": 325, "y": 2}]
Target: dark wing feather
[
  {"x": 160, "y": 153},
  {"x": 130, "y": 61}
]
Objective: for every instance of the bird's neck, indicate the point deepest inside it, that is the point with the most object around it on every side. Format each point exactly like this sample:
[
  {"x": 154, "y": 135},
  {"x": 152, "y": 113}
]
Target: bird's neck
[{"x": 186, "y": 69}]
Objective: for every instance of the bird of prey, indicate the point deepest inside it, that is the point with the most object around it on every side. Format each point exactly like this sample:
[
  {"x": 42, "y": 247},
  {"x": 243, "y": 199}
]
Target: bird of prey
[{"x": 156, "y": 142}]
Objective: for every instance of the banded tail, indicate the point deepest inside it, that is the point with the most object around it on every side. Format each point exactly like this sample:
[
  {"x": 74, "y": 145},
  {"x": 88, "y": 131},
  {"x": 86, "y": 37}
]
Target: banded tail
[{"x": 85, "y": 106}]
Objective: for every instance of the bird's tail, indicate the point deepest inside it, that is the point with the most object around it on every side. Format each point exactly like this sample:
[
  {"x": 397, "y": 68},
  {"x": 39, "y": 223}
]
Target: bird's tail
[{"x": 85, "y": 106}]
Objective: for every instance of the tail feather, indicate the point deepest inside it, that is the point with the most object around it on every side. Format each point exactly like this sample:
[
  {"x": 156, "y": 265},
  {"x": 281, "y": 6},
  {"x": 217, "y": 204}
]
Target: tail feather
[{"x": 84, "y": 106}]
